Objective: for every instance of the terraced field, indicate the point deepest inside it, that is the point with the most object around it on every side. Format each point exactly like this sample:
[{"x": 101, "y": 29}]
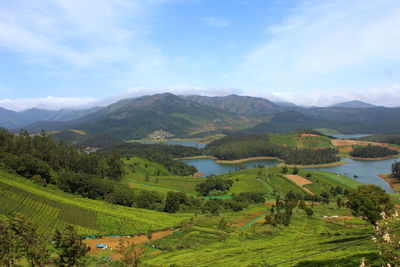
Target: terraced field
[
  {"x": 300, "y": 140},
  {"x": 51, "y": 209}
]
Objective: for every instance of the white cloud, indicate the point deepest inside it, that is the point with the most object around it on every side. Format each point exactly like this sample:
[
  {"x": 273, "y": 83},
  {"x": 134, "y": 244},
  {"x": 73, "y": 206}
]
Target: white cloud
[
  {"x": 215, "y": 22},
  {"x": 49, "y": 102},
  {"x": 381, "y": 96},
  {"x": 324, "y": 44},
  {"x": 82, "y": 34}
]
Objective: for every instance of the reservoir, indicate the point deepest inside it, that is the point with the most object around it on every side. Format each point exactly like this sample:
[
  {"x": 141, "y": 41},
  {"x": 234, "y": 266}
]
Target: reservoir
[
  {"x": 210, "y": 167},
  {"x": 366, "y": 171}
]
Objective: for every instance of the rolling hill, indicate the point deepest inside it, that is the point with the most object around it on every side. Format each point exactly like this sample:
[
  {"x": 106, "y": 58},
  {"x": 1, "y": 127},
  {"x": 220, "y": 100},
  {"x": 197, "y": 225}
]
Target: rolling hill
[
  {"x": 138, "y": 117},
  {"x": 243, "y": 105},
  {"x": 51, "y": 209}
]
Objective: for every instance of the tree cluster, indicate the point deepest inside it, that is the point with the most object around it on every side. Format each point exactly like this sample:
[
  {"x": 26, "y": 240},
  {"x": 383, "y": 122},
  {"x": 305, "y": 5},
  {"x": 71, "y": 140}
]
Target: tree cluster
[
  {"x": 371, "y": 151},
  {"x": 396, "y": 170},
  {"x": 21, "y": 242},
  {"x": 245, "y": 146},
  {"x": 163, "y": 154},
  {"x": 216, "y": 186}
]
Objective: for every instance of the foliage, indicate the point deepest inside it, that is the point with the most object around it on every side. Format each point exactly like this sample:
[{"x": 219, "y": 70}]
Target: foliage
[
  {"x": 128, "y": 252},
  {"x": 217, "y": 184},
  {"x": 396, "y": 169},
  {"x": 19, "y": 240},
  {"x": 245, "y": 146},
  {"x": 369, "y": 201},
  {"x": 70, "y": 247},
  {"x": 371, "y": 151}
]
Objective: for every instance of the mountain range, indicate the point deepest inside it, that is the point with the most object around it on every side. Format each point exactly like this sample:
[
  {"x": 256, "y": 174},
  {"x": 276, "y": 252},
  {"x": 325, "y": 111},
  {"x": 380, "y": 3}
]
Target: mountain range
[{"x": 169, "y": 115}]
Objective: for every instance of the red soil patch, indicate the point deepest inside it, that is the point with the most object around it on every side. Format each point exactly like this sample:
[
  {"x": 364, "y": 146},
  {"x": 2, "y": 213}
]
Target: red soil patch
[
  {"x": 307, "y": 135},
  {"x": 112, "y": 242},
  {"x": 297, "y": 179},
  {"x": 227, "y": 127}
]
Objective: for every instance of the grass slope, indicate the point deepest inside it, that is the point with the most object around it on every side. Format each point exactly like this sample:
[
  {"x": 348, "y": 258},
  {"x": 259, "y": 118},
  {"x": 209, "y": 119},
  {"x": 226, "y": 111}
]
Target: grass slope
[
  {"x": 300, "y": 141},
  {"x": 204, "y": 244},
  {"x": 51, "y": 209}
]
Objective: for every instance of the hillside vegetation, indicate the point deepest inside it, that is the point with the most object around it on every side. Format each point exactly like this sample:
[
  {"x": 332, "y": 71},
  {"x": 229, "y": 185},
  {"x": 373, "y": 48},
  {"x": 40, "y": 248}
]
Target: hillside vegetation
[{"x": 52, "y": 209}]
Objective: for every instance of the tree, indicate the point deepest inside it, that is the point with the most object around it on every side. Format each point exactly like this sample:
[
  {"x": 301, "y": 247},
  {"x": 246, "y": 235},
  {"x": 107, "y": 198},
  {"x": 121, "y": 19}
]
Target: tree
[
  {"x": 172, "y": 202},
  {"x": 396, "y": 170},
  {"x": 369, "y": 201},
  {"x": 284, "y": 169},
  {"x": 128, "y": 252},
  {"x": 295, "y": 170},
  {"x": 19, "y": 239},
  {"x": 309, "y": 212},
  {"x": 70, "y": 248},
  {"x": 339, "y": 202}
]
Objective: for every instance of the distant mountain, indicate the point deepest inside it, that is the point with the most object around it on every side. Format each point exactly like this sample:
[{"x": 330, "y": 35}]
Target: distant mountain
[
  {"x": 243, "y": 105},
  {"x": 161, "y": 115},
  {"x": 353, "y": 104},
  {"x": 289, "y": 121},
  {"x": 11, "y": 119}
]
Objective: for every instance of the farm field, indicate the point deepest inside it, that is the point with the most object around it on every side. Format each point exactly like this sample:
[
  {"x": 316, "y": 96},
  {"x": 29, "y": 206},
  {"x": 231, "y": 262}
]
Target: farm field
[
  {"x": 300, "y": 140},
  {"x": 204, "y": 243},
  {"x": 51, "y": 209}
]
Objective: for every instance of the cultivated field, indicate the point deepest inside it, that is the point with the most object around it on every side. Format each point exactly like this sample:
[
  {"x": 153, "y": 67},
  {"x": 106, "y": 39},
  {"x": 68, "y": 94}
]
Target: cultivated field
[{"x": 51, "y": 209}]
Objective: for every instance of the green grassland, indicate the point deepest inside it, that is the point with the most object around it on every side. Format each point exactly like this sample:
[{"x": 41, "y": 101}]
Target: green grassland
[
  {"x": 324, "y": 181},
  {"x": 51, "y": 209},
  {"x": 298, "y": 141},
  {"x": 204, "y": 243}
]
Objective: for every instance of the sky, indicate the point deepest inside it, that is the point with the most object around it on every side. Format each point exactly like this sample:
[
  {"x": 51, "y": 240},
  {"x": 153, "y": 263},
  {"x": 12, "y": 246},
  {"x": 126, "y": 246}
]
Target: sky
[{"x": 79, "y": 53}]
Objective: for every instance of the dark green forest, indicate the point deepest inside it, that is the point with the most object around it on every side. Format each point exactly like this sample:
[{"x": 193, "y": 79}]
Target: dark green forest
[
  {"x": 163, "y": 154},
  {"x": 245, "y": 146},
  {"x": 371, "y": 151}
]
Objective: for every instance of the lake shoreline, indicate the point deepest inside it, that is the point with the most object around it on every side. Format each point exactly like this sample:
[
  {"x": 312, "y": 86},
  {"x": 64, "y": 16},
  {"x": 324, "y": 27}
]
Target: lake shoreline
[
  {"x": 394, "y": 183},
  {"x": 236, "y": 161},
  {"x": 372, "y": 159},
  {"x": 314, "y": 166}
]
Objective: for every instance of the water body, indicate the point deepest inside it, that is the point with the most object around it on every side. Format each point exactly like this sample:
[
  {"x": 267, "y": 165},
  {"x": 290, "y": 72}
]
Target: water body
[
  {"x": 182, "y": 143},
  {"x": 367, "y": 171},
  {"x": 210, "y": 167},
  {"x": 349, "y": 136}
]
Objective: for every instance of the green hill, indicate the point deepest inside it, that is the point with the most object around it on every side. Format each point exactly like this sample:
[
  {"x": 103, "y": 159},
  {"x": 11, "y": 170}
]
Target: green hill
[{"x": 50, "y": 209}]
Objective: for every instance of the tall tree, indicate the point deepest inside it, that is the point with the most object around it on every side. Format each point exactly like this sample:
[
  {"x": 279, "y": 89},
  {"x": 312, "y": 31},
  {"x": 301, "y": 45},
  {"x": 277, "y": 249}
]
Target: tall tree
[
  {"x": 370, "y": 201},
  {"x": 70, "y": 246}
]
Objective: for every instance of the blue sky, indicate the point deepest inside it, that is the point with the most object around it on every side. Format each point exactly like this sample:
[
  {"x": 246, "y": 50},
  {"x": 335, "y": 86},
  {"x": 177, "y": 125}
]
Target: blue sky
[{"x": 70, "y": 53}]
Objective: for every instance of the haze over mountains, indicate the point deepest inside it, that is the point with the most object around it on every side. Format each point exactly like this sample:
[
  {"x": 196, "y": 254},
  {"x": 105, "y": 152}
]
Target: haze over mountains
[{"x": 183, "y": 116}]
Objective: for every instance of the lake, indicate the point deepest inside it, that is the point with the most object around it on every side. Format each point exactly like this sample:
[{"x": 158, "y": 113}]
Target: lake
[
  {"x": 172, "y": 142},
  {"x": 366, "y": 171},
  {"x": 209, "y": 166}
]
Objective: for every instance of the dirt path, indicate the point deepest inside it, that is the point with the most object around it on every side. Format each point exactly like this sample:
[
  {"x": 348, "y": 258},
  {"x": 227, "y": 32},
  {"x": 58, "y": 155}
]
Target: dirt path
[
  {"x": 112, "y": 242},
  {"x": 300, "y": 181}
]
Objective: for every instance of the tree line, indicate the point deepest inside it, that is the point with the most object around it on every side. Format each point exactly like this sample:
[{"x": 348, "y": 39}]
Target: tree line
[{"x": 371, "y": 151}]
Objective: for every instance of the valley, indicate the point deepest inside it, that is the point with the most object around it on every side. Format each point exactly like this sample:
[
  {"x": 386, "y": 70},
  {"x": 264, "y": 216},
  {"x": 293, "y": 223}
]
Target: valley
[{"x": 221, "y": 184}]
